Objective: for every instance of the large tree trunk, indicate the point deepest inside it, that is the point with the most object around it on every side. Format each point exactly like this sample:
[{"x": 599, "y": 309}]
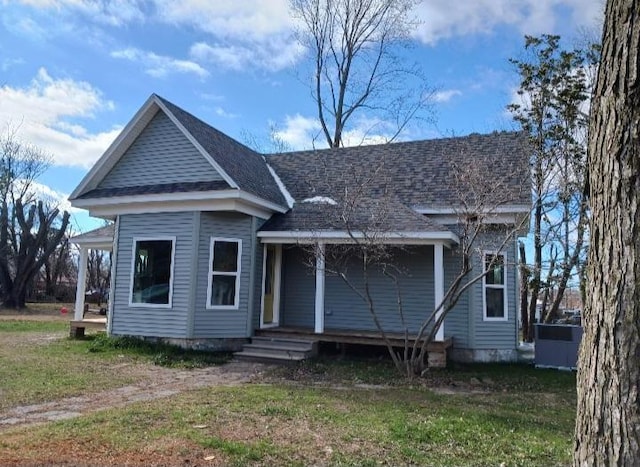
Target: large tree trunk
[{"x": 608, "y": 420}]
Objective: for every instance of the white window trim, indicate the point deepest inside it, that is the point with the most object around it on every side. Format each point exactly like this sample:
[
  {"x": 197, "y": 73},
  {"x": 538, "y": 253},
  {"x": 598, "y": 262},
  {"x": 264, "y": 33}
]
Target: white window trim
[
  {"x": 135, "y": 240},
  {"x": 494, "y": 286},
  {"x": 236, "y": 303}
]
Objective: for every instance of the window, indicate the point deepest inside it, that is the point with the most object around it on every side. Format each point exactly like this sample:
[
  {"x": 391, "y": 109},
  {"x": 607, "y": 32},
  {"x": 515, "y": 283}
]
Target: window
[
  {"x": 495, "y": 288},
  {"x": 224, "y": 273},
  {"x": 152, "y": 272}
]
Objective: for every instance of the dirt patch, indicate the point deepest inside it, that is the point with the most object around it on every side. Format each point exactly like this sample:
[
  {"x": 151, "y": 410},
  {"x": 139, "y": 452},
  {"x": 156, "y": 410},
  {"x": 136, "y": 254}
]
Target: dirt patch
[{"x": 156, "y": 383}]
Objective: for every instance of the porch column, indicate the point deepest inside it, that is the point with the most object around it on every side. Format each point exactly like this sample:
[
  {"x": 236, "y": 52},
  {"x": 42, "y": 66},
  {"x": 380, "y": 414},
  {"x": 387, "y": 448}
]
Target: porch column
[
  {"x": 319, "y": 322},
  {"x": 438, "y": 283},
  {"x": 81, "y": 286}
]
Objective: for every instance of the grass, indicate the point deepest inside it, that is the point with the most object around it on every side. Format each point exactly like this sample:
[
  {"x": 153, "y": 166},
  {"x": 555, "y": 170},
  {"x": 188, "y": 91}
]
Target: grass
[
  {"x": 16, "y": 325},
  {"x": 159, "y": 353},
  {"x": 326, "y": 411},
  {"x": 39, "y": 363},
  {"x": 285, "y": 425}
]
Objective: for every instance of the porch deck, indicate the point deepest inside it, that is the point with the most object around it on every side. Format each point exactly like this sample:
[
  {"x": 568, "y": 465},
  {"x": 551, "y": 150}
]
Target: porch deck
[
  {"x": 77, "y": 327},
  {"x": 437, "y": 350}
]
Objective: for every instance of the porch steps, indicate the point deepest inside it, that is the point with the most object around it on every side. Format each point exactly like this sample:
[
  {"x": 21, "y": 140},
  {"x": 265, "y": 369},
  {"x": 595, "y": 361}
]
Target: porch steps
[{"x": 278, "y": 350}]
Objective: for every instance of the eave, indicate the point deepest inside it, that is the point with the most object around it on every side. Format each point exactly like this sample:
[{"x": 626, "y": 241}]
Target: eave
[
  {"x": 388, "y": 238},
  {"x": 221, "y": 200}
]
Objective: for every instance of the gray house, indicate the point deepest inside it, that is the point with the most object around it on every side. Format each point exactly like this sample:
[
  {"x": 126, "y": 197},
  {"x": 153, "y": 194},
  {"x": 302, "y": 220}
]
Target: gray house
[{"x": 214, "y": 243}]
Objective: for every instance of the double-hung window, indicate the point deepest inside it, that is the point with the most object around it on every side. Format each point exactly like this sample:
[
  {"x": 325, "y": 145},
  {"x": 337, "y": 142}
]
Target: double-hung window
[
  {"x": 152, "y": 272},
  {"x": 494, "y": 285},
  {"x": 224, "y": 274}
]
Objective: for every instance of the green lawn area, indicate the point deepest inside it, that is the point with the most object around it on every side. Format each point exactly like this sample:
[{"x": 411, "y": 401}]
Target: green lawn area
[{"x": 323, "y": 412}]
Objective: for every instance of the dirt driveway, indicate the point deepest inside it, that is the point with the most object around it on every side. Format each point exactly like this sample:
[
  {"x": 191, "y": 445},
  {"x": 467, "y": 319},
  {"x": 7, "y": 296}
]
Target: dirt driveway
[{"x": 156, "y": 383}]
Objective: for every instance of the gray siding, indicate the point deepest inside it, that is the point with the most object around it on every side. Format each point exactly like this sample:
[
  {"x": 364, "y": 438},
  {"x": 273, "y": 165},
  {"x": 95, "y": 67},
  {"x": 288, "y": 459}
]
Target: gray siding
[
  {"x": 161, "y": 154},
  {"x": 344, "y": 309},
  {"x": 222, "y": 323},
  {"x": 456, "y": 323},
  {"x": 257, "y": 286},
  {"x": 297, "y": 298},
  {"x": 496, "y": 334},
  {"x": 147, "y": 321}
]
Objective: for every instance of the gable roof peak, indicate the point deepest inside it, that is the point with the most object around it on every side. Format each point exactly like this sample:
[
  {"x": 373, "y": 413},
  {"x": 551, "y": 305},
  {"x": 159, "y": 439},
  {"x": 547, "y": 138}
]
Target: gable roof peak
[{"x": 239, "y": 166}]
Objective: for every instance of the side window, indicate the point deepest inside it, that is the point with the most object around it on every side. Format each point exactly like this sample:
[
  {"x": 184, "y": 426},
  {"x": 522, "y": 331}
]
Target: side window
[
  {"x": 224, "y": 274},
  {"x": 494, "y": 288},
  {"x": 152, "y": 272}
]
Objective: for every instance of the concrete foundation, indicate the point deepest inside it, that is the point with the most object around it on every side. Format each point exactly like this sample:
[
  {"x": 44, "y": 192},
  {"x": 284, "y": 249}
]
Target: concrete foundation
[
  {"x": 209, "y": 344},
  {"x": 483, "y": 355}
]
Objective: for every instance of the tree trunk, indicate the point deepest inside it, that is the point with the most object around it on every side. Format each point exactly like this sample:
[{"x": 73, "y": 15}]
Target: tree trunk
[
  {"x": 608, "y": 419},
  {"x": 524, "y": 294}
]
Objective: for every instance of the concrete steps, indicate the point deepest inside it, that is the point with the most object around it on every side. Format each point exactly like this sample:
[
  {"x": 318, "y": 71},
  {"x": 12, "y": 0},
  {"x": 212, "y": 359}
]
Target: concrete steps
[{"x": 278, "y": 350}]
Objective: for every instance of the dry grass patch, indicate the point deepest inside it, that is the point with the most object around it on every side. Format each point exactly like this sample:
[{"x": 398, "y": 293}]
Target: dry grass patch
[{"x": 293, "y": 425}]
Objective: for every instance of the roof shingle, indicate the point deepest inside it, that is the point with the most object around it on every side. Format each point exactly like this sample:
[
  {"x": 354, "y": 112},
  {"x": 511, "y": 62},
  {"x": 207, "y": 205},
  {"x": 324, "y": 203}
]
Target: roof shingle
[
  {"x": 246, "y": 167},
  {"x": 441, "y": 173}
]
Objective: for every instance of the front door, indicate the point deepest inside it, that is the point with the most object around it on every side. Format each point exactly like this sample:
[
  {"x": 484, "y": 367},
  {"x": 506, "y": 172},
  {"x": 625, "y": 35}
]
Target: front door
[{"x": 271, "y": 285}]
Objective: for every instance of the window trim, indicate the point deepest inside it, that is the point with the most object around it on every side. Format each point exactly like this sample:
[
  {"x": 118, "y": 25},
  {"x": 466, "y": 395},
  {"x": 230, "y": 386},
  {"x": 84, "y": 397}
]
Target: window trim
[
  {"x": 236, "y": 299},
  {"x": 486, "y": 286},
  {"x": 135, "y": 241}
]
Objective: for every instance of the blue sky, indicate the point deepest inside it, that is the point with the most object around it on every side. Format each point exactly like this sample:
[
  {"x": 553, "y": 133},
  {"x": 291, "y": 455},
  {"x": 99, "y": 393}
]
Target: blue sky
[{"x": 73, "y": 72}]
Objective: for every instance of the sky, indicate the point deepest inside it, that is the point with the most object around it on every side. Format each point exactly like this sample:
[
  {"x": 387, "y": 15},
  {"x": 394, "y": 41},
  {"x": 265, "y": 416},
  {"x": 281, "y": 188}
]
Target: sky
[{"x": 74, "y": 72}]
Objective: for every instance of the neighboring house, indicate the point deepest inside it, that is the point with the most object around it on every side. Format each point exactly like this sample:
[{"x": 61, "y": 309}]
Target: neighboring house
[{"x": 209, "y": 239}]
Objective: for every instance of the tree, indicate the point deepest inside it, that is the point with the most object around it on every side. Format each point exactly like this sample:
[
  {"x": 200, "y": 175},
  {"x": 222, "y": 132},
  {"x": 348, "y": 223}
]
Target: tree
[
  {"x": 364, "y": 206},
  {"x": 358, "y": 67},
  {"x": 99, "y": 272},
  {"x": 555, "y": 90},
  {"x": 30, "y": 231},
  {"x": 608, "y": 410},
  {"x": 60, "y": 265}
]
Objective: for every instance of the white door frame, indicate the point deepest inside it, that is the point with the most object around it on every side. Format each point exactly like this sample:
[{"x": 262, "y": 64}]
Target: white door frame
[{"x": 276, "y": 286}]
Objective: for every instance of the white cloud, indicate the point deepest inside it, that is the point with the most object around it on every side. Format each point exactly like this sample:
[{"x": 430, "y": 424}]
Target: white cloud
[
  {"x": 446, "y": 95},
  {"x": 9, "y": 63},
  {"x": 273, "y": 54},
  {"x": 112, "y": 12},
  {"x": 53, "y": 197},
  {"x": 301, "y": 132},
  {"x": 160, "y": 66},
  {"x": 442, "y": 19},
  {"x": 368, "y": 131},
  {"x": 43, "y": 111},
  {"x": 224, "y": 114},
  {"x": 252, "y": 20}
]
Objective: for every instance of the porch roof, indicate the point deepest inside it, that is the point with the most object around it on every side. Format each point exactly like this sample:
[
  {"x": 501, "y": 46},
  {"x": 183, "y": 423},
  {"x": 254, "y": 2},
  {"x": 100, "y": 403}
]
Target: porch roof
[
  {"x": 97, "y": 239},
  {"x": 386, "y": 219}
]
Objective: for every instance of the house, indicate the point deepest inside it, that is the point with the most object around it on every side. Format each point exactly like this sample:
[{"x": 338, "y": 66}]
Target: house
[{"x": 211, "y": 239}]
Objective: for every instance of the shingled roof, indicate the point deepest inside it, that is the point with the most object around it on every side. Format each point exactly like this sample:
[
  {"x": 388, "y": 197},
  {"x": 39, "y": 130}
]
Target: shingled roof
[
  {"x": 428, "y": 174},
  {"x": 246, "y": 167},
  {"x": 180, "y": 187},
  {"x": 363, "y": 215}
]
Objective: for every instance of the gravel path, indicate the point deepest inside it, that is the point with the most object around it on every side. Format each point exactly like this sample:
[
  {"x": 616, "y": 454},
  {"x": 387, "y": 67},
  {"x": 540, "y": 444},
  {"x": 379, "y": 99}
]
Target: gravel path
[{"x": 159, "y": 383}]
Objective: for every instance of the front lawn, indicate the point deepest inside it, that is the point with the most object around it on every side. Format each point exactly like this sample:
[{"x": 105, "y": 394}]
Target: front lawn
[
  {"x": 293, "y": 425},
  {"x": 323, "y": 412}
]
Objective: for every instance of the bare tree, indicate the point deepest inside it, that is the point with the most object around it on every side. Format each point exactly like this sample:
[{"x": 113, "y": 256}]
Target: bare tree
[
  {"x": 366, "y": 208},
  {"x": 357, "y": 66},
  {"x": 60, "y": 265},
  {"x": 608, "y": 410},
  {"x": 99, "y": 273},
  {"x": 30, "y": 231}
]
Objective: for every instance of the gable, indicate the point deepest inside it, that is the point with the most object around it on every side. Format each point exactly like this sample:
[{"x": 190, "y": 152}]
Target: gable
[{"x": 161, "y": 154}]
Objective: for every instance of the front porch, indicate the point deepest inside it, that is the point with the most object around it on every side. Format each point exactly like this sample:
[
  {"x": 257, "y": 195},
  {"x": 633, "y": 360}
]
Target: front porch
[
  {"x": 98, "y": 239},
  {"x": 437, "y": 350},
  {"x": 301, "y": 299},
  {"x": 77, "y": 327}
]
